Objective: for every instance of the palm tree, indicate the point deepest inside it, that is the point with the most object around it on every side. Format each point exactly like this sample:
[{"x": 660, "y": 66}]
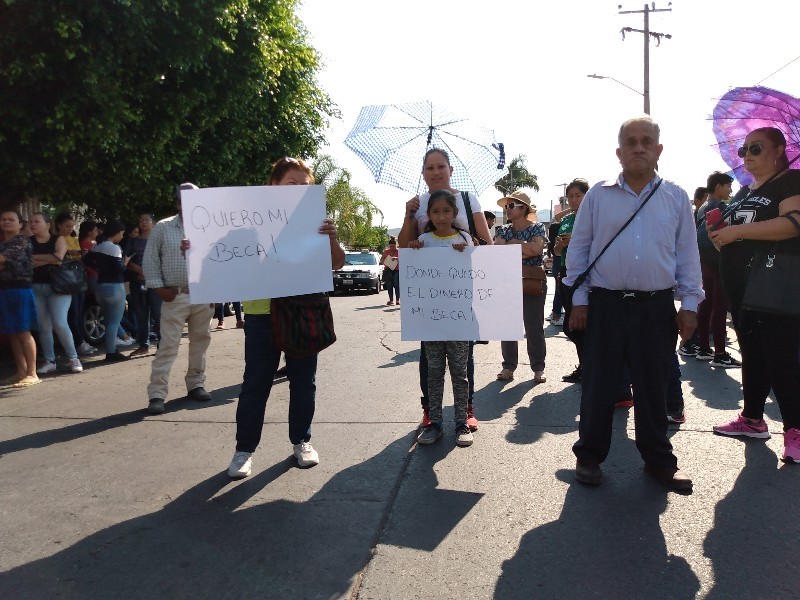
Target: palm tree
[
  {"x": 517, "y": 177},
  {"x": 349, "y": 207}
]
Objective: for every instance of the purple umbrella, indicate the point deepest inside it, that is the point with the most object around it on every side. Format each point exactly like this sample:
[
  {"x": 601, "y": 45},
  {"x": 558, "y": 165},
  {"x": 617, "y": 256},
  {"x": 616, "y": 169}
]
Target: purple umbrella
[{"x": 742, "y": 110}]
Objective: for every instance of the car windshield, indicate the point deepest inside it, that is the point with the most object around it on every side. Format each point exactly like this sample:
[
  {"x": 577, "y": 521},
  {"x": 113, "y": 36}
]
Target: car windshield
[{"x": 358, "y": 258}]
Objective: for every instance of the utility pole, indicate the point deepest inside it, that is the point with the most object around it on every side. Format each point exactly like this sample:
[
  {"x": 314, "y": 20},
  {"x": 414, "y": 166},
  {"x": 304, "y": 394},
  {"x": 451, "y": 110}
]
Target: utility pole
[{"x": 647, "y": 33}]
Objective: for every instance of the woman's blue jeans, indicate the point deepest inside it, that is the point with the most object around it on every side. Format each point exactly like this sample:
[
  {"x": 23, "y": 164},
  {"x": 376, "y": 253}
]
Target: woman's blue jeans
[
  {"x": 51, "y": 311},
  {"x": 111, "y": 297},
  {"x": 393, "y": 280},
  {"x": 261, "y": 357}
]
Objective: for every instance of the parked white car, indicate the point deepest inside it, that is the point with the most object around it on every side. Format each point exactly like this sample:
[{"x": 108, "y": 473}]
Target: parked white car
[{"x": 361, "y": 271}]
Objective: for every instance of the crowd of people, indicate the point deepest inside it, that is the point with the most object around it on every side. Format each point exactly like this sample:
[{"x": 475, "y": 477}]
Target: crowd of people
[
  {"x": 624, "y": 252},
  {"x": 619, "y": 306}
]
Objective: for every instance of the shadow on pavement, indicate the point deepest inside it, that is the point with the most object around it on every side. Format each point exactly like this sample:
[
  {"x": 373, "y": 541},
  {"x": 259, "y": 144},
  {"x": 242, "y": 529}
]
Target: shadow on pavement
[
  {"x": 214, "y": 541},
  {"x": 495, "y": 399},
  {"x": 434, "y": 512},
  {"x": 757, "y": 519},
  {"x": 82, "y": 428},
  {"x": 554, "y": 413},
  {"x": 607, "y": 543},
  {"x": 718, "y": 389},
  {"x": 402, "y": 358}
]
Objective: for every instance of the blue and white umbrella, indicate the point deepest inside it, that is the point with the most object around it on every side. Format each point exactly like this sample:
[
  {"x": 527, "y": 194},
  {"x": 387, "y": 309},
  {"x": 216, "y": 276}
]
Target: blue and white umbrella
[{"x": 392, "y": 140}]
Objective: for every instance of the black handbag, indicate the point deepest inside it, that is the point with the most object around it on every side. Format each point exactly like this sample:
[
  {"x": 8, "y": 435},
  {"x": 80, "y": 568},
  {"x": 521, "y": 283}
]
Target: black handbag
[
  {"x": 773, "y": 283},
  {"x": 69, "y": 277}
]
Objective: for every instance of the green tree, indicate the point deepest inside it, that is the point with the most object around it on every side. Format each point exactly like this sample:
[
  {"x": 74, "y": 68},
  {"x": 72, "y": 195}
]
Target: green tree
[
  {"x": 517, "y": 177},
  {"x": 349, "y": 207},
  {"x": 111, "y": 104}
]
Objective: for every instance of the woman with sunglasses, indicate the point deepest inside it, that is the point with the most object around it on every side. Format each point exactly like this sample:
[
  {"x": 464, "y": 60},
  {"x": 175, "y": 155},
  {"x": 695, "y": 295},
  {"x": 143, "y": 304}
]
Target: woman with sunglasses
[
  {"x": 437, "y": 171},
  {"x": 261, "y": 357},
  {"x": 533, "y": 238},
  {"x": 766, "y": 211}
]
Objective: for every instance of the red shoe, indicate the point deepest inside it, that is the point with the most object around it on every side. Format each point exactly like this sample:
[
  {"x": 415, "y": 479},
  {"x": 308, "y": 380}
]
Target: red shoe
[
  {"x": 623, "y": 404},
  {"x": 472, "y": 422},
  {"x": 426, "y": 418}
]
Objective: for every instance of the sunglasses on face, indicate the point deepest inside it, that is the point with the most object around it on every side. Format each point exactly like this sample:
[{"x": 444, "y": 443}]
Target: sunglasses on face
[
  {"x": 511, "y": 205},
  {"x": 755, "y": 150}
]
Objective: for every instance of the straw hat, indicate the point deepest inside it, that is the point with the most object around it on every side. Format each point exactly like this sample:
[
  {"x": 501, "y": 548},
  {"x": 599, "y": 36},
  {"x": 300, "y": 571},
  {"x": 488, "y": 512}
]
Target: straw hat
[{"x": 519, "y": 196}]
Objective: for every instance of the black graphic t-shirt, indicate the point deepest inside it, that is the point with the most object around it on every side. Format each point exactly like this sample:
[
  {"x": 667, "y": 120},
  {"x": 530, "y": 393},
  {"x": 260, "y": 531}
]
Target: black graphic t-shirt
[{"x": 761, "y": 205}]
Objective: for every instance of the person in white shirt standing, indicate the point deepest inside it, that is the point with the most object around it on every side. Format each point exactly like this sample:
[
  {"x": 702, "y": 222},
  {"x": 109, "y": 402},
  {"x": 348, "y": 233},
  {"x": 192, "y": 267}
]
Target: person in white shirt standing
[{"x": 166, "y": 272}]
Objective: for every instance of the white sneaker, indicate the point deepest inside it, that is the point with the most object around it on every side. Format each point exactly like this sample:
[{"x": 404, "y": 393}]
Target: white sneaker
[
  {"x": 241, "y": 465},
  {"x": 86, "y": 348},
  {"x": 75, "y": 365},
  {"x": 549, "y": 317},
  {"x": 557, "y": 322},
  {"x": 47, "y": 367},
  {"x": 305, "y": 454},
  {"x": 125, "y": 343}
]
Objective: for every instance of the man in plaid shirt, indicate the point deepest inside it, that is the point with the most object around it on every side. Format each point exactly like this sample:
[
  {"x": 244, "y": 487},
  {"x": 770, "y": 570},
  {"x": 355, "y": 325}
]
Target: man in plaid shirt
[{"x": 165, "y": 271}]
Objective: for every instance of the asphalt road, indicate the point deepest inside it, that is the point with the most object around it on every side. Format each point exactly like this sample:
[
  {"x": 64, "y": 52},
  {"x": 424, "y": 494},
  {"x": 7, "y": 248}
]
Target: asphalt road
[{"x": 100, "y": 500}]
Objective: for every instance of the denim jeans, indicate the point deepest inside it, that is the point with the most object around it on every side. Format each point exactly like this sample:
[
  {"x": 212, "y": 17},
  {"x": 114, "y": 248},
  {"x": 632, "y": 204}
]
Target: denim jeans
[
  {"x": 145, "y": 304},
  {"x": 75, "y": 318},
  {"x": 51, "y": 311},
  {"x": 219, "y": 311},
  {"x": 111, "y": 297},
  {"x": 261, "y": 357},
  {"x": 393, "y": 280}
]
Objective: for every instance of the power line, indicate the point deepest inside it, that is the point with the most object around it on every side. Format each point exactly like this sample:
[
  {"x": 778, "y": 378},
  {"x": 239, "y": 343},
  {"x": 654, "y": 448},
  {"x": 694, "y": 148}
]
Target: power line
[{"x": 781, "y": 69}]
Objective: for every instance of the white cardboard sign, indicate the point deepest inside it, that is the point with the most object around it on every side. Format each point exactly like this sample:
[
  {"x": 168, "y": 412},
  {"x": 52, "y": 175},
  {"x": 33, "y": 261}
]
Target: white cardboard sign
[
  {"x": 471, "y": 295},
  {"x": 249, "y": 243}
]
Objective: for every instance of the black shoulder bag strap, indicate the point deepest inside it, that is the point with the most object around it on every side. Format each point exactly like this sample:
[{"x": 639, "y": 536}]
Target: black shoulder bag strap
[
  {"x": 471, "y": 219},
  {"x": 582, "y": 277}
]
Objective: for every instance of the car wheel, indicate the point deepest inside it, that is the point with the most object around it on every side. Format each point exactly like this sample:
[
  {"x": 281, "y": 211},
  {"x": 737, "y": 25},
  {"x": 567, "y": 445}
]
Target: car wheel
[{"x": 93, "y": 327}]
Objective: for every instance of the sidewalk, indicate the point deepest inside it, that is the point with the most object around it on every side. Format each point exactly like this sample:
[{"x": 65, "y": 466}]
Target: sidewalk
[{"x": 100, "y": 500}]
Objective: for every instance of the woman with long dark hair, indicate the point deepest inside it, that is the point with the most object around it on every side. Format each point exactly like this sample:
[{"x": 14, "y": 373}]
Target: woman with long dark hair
[{"x": 51, "y": 307}]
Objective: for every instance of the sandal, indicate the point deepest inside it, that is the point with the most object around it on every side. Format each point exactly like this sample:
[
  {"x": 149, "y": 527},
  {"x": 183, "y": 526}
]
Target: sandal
[
  {"x": 505, "y": 375},
  {"x": 27, "y": 382},
  {"x": 538, "y": 377}
]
